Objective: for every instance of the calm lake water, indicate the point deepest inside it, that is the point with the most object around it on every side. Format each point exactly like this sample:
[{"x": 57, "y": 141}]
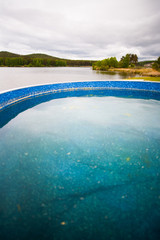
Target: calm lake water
[{"x": 11, "y": 78}]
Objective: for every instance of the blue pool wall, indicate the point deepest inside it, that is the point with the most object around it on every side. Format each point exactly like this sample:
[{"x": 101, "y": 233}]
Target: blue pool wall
[{"x": 14, "y": 96}]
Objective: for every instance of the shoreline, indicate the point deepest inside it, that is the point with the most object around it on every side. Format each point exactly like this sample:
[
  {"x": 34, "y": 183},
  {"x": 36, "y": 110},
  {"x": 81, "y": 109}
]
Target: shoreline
[{"x": 144, "y": 72}]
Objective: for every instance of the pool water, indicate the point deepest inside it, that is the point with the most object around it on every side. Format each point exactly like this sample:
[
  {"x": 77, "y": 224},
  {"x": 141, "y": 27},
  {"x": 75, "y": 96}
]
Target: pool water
[{"x": 82, "y": 168}]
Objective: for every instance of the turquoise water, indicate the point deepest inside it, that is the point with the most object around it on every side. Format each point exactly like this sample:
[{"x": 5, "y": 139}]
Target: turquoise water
[{"x": 82, "y": 168}]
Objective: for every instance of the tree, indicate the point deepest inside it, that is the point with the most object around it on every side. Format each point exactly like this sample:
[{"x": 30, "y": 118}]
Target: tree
[
  {"x": 128, "y": 60},
  {"x": 156, "y": 64},
  {"x": 1, "y": 62},
  {"x": 124, "y": 62},
  {"x": 133, "y": 58},
  {"x": 105, "y": 64},
  {"x": 113, "y": 62},
  {"x": 37, "y": 62},
  {"x": 60, "y": 63}
]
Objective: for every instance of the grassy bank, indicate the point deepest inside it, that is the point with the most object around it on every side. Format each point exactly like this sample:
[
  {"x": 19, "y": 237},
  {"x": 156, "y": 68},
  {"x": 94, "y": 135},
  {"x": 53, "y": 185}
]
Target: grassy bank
[
  {"x": 157, "y": 79},
  {"x": 144, "y": 72}
]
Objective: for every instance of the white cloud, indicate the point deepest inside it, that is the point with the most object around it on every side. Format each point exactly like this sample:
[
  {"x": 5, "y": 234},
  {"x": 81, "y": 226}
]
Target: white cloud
[{"x": 86, "y": 29}]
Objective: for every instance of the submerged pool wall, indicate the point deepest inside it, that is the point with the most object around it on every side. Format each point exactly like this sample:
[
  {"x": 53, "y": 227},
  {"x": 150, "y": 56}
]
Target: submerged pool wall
[{"x": 149, "y": 89}]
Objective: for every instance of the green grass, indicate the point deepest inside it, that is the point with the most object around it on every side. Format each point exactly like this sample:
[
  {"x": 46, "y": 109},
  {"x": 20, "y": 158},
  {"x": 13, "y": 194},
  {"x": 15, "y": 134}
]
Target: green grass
[{"x": 147, "y": 78}]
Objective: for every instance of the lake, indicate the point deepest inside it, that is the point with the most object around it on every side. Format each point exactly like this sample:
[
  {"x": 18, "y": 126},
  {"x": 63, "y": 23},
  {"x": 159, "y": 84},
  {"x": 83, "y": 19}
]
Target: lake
[{"x": 11, "y": 78}]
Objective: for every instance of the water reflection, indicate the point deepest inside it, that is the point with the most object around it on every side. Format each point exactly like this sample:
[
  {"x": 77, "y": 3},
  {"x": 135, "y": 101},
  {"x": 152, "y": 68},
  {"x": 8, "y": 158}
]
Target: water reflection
[
  {"x": 22, "y": 77},
  {"x": 117, "y": 75}
]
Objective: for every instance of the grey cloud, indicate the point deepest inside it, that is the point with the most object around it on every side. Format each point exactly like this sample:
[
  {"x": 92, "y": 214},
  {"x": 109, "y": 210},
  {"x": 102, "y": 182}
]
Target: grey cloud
[{"x": 84, "y": 29}]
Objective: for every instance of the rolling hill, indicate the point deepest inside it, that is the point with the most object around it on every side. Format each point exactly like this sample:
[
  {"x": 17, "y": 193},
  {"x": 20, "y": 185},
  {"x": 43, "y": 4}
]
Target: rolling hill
[
  {"x": 38, "y": 60},
  {"x": 6, "y": 54}
]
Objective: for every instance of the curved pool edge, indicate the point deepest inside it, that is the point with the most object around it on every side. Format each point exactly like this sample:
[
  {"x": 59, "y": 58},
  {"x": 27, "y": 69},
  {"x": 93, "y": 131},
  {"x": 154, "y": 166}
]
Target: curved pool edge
[{"x": 13, "y": 96}]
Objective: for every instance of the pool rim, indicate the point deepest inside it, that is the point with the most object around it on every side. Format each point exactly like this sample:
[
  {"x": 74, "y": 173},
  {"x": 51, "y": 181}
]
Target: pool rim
[{"x": 16, "y": 95}]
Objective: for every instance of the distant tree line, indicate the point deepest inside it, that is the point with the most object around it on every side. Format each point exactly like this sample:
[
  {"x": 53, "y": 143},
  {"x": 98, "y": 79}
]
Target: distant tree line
[
  {"x": 79, "y": 63},
  {"x": 129, "y": 60},
  {"x": 31, "y": 62},
  {"x": 41, "y": 62}
]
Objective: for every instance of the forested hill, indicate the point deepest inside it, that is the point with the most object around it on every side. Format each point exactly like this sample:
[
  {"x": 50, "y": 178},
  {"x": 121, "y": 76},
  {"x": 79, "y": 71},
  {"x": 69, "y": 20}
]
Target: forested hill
[
  {"x": 34, "y": 55},
  {"x": 38, "y": 60}
]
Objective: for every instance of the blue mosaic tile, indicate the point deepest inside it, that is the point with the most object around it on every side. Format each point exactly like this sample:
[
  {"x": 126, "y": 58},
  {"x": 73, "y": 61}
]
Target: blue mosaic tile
[{"x": 13, "y": 96}]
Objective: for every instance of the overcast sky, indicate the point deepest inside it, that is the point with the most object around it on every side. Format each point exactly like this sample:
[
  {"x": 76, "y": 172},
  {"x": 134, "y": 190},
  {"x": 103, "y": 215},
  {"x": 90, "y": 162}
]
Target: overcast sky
[{"x": 81, "y": 29}]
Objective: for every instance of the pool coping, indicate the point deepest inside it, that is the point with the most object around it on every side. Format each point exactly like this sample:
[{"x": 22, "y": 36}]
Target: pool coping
[{"x": 15, "y": 95}]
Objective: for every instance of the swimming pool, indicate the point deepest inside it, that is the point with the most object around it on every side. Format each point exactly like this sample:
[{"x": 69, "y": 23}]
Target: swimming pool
[{"x": 80, "y": 161}]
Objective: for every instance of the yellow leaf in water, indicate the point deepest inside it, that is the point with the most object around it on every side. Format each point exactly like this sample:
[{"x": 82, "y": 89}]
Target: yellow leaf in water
[
  {"x": 128, "y": 114},
  {"x": 128, "y": 159},
  {"x": 71, "y": 107},
  {"x": 19, "y": 208}
]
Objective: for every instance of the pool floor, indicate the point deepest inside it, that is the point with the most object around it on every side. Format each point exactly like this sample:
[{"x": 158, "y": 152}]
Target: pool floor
[{"x": 82, "y": 168}]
